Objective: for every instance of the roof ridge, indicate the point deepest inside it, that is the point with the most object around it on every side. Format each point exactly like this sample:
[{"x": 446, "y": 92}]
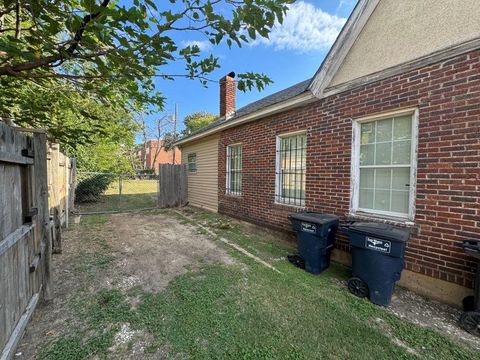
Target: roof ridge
[{"x": 275, "y": 98}]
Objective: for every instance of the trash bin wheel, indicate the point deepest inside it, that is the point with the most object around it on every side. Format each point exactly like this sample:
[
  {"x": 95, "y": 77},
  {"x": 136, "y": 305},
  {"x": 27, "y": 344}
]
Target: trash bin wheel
[
  {"x": 469, "y": 303},
  {"x": 358, "y": 287},
  {"x": 470, "y": 322}
]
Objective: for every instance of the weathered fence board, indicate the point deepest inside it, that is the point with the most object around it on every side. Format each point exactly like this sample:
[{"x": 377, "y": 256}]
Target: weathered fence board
[
  {"x": 61, "y": 183},
  {"x": 173, "y": 188},
  {"x": 25, "y": 245}
]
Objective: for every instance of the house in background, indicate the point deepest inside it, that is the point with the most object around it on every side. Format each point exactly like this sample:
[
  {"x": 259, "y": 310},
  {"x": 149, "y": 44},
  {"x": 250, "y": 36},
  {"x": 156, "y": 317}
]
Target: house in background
[
  {"x": 388, "y": 130},
  {"x": 152, "y": 154}
]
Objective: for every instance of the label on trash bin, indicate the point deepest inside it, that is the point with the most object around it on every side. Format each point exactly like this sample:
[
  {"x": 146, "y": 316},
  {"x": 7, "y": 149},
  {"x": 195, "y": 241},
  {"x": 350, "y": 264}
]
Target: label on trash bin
[
  {"x": 308, "y": 227},
  {"x": 378, "y": 245}
]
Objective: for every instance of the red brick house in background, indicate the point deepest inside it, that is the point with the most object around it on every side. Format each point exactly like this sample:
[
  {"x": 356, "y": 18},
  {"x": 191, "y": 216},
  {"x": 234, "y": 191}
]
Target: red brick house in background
[
  {"x": 152, "y": 154},
  {"x": 388, "y": 130}
]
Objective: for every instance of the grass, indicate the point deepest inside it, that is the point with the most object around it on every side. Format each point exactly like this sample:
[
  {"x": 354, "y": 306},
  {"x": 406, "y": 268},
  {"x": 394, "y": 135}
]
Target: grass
[
  {"x": 136, "y": 194},
  {"x": 247, "y": 311}
]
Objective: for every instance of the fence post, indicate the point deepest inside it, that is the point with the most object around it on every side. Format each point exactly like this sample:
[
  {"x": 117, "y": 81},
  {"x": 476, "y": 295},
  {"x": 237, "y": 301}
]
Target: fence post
[
  {"x": 73, "y": 183},
  {"x": 40, "y": 171}
]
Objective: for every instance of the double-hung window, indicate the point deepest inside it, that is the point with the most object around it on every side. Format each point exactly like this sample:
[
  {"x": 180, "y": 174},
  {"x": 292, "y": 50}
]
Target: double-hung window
[
  {"x": 192, "y": 162},
  {"x": 384, "y": 162},
  {"x": 291, "y": 169},
  {"x": 234, "y": 170}
]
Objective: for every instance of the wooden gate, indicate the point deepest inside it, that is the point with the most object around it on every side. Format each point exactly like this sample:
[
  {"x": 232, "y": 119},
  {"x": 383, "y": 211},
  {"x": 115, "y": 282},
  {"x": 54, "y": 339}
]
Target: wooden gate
[
  {"x": 172, "y": 184},
  {"x": 25, "y": 231}
]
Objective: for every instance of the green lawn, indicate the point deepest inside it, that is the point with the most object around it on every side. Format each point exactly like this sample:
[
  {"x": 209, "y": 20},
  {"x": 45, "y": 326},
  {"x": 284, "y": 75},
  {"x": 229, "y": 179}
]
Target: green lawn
[
  {"x": 247, "y": 311},
  {"x": 136, "y": 194}
]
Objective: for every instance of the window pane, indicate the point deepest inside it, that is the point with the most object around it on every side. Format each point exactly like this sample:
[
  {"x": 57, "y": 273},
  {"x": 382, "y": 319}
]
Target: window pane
[
  {"x": 383, "y": 178},
  {"x": 385, "y": 143},
  {"x": 192, "y": 162},
  {"x": 365, "y": 199},
  {"x": 401, "y": 152},
  {"x": 400, "y": 201},
  {"x": 366, "y": 178},
  {"x": 367, "y": 133},
  {"x": 234, "y": 175},
  {"x": 402, "y": 128},
  {"x": 401, "y": 177},
  {"x": 367, "y": 154},
  {"x": 384, "y": 130},
  {"x": 291, "y": 175},
  {"x": 382, "y": 200},
  {"x": 383, "y": 154}
]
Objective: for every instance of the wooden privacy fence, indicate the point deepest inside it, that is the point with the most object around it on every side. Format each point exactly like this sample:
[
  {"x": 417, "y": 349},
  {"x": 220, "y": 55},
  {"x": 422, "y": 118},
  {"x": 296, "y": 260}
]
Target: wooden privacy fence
[
  {"x": 173, "y": 188},
  {"x": 61, "y": 194},
  {"x": 25, "y": 231}
]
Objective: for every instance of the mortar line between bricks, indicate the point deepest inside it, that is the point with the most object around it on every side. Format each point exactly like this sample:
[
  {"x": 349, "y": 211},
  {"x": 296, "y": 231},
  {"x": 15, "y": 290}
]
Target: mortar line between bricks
[{"x": 235, "y": 246}]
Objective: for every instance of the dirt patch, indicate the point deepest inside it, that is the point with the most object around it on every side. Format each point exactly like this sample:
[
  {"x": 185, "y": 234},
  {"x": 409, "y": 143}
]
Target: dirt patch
[
  {"x": 155, "y": 249},
  {"x": 144, "y": 250},
  {"x": 431, "y": 314},
  {"x": 426, "y": 313}
]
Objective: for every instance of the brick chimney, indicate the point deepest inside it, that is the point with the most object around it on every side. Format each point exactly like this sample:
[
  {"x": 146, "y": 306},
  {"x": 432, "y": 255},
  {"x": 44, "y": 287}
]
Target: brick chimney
[{"x": 227, "y": 95}]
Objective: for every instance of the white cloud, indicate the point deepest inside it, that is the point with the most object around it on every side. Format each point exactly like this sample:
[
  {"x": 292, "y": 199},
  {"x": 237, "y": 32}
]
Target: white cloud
[
  {"x": 304, "y": 28},
  {"x": 204, "y": 45}
]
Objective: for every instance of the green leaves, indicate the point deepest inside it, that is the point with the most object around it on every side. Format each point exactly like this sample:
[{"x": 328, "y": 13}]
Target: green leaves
[
  {"x": 251, "y": 80},
  {"x": 196, "y": 121},
  {"x": 75, "y": 65}
]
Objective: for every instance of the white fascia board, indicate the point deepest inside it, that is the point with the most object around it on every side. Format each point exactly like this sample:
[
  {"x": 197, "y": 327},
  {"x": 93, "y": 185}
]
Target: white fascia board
[
  {"x": 299, "y": 100},
  {"x": 342, "y": 46}
]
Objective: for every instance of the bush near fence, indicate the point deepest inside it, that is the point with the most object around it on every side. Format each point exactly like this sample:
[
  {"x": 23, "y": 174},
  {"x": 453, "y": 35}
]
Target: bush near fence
[{"x": 91, "y": 188}]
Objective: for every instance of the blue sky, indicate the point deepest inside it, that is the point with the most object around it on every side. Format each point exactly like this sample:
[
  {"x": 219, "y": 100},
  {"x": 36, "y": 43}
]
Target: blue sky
[{"x": 294, "y": 52}]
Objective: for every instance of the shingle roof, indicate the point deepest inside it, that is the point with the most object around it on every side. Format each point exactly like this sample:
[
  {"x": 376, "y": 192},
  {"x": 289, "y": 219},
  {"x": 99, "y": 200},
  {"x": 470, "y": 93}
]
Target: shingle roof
[{"x": 269, "y": 100}]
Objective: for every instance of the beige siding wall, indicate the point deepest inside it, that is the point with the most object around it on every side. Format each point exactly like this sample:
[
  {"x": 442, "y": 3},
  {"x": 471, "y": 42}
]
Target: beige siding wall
[
  {"x": 399, "y": 31},
  {"x": 203, "y": 185}
]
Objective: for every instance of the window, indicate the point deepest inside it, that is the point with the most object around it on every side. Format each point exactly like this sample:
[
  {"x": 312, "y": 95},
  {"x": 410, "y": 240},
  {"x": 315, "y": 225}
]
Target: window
[
  {"x": 291, "y": 169},
  {"x": 192, "y": 162},
  {"x": 384, "y": 161},
  {"x": 234, "y": 170}
]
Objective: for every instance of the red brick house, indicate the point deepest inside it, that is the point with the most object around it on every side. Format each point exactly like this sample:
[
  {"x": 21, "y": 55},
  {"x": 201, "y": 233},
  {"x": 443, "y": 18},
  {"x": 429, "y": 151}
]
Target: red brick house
[
  {"x": 152, "y": 154},
  {"x": 387, "y": 130}
]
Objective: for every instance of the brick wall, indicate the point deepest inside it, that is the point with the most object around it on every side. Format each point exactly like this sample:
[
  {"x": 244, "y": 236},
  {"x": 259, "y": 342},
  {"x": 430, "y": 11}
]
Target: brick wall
[
  {"x": 447, "y": 96},
  {"x": 163, "y": 156}
]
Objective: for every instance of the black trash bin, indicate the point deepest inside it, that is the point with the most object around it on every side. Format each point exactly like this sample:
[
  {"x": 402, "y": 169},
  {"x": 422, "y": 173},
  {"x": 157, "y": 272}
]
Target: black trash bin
[
  {"x": 377, "y": 260},
  {"x": 316, "y": 236},
  {"x": 470, "y": 319}
]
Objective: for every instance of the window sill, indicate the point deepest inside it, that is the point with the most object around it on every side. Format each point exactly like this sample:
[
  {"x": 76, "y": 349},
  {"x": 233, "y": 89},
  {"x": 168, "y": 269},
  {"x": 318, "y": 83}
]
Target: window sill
[
  {"x": 233, "y": 195},
  {"x": 297, "y": 207},
  {"x": 391, "y": 220}
]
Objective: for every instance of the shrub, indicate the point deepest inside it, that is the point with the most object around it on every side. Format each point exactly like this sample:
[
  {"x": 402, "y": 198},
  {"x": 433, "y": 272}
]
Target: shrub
[{"x": 90, "y": 189}]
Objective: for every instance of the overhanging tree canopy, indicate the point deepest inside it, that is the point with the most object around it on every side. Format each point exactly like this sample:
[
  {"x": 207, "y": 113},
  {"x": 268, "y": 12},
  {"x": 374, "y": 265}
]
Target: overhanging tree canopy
[{"x": 82, "y": 54}]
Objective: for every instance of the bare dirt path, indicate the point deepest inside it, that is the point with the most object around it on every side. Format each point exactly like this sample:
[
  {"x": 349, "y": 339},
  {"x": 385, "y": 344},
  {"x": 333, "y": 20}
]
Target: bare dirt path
[{"x": 120, "y": 251}]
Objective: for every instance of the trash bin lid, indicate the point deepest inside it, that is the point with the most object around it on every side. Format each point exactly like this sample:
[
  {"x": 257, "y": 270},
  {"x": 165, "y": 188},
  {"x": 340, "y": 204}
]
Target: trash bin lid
[
  {"x": 384, "y": 231},
  {"x": 472, "y": 248},
  {"x": 313, "y": 217}
]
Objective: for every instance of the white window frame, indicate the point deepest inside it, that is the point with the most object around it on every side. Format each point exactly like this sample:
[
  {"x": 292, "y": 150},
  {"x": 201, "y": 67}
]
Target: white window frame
[
  {"x": 188, "y": 163},
  {"x": 355, "y": 165},
  {"x": 283, "y": 200},
  {"x": 228, "y": 171}
]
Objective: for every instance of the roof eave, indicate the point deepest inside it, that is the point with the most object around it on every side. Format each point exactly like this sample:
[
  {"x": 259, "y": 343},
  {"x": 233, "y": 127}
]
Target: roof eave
[
  {"x": 294, "y": 102},
  {"x": 344, "y": 42}
]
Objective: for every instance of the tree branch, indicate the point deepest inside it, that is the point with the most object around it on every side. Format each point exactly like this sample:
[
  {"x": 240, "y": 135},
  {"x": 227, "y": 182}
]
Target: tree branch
[
  {"x": 79, "y": 33},
  {"x": 18, "y": 8},
  {"x": 13, "y": 70}
]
